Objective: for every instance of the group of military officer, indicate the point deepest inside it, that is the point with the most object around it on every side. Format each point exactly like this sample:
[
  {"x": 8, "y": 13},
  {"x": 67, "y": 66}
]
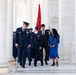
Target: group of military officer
[{"x": 31, "y": 44}]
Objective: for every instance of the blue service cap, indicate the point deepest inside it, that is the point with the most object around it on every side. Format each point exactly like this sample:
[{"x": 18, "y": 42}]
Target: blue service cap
[
  {"x": 26, "y": 23},
  {"x": 36, "y": 28},
  {"x": 30, "y": 28}
]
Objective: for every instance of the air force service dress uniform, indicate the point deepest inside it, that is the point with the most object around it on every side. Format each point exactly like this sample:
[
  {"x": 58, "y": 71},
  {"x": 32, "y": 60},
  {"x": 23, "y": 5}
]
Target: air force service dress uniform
[
  {"x": 37, "y": 42},
  {"x": 30, "y": 50},
  {"x": 22, "y": 39}
]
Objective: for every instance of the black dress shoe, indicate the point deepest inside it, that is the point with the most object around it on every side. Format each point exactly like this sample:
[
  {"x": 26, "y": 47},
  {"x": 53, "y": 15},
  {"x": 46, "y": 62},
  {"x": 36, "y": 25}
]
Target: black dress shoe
[
  {"x": 23, "y": 66},
  {"x": 35, "y": 65},
  {"x": 53, "y": 64},
  {"x": 46, "y": 63},
  {"x": 41, "y": 64},
  {"x": 29, "y": 64},
  {"x": 20, "y": 64}
]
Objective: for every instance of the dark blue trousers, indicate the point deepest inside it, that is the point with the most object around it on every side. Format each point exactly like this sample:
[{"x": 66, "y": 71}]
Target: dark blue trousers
[
  {"x": 29, "y": 54},
  {"x": 36, "y": 51},
  {"x": 22, "y": 54}
]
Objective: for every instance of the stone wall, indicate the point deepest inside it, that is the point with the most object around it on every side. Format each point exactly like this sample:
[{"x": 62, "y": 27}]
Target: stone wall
[{"x": 68, "y": 16}]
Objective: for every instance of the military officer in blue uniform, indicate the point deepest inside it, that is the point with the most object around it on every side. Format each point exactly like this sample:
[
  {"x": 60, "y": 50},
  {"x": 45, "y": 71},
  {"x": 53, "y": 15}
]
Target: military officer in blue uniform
[
  {"x": 22, "y": 43},
  {"x": 14, "y": 47},
  {"x": 37, "y": 43},
  {"x": 30, "y": 50}
]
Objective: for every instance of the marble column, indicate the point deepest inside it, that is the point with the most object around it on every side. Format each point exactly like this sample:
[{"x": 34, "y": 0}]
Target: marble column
[
  {"x": 45, "y": 12},
  {"x": 9, "y": 30},
  {"x": 75, "y": 29},
  {"x": 4, "y": 67},
  {"x": 73, "y": 58},
  {"x": 53, "y": 13},
  {"x": 14, "y": 15},
  {"x": 60, "y": 29}
]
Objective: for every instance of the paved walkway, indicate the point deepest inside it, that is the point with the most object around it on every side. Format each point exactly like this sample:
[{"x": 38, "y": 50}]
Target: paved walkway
[{"x": 65, "y": 68}]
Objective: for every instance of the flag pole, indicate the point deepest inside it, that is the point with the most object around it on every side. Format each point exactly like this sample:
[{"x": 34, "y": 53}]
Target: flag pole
[{"x": 38, "y": 23}]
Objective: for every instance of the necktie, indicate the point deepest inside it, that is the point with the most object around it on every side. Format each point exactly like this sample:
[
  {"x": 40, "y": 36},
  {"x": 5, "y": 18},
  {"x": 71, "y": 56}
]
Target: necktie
[{"x": 43, "y": 32}]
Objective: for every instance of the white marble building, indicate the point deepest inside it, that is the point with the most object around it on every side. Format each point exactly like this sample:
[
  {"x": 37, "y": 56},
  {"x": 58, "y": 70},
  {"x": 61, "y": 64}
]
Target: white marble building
[{"x": 59, "y": 14}]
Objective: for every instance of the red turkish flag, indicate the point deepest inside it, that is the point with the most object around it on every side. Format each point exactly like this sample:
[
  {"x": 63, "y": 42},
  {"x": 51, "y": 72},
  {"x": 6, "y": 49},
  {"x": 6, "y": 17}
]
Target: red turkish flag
[{"x": 38, "y": 24}]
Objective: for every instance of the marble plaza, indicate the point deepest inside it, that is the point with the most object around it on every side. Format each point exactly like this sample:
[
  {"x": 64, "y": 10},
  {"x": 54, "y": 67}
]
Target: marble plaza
[{"x": 65, "y": 68}]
